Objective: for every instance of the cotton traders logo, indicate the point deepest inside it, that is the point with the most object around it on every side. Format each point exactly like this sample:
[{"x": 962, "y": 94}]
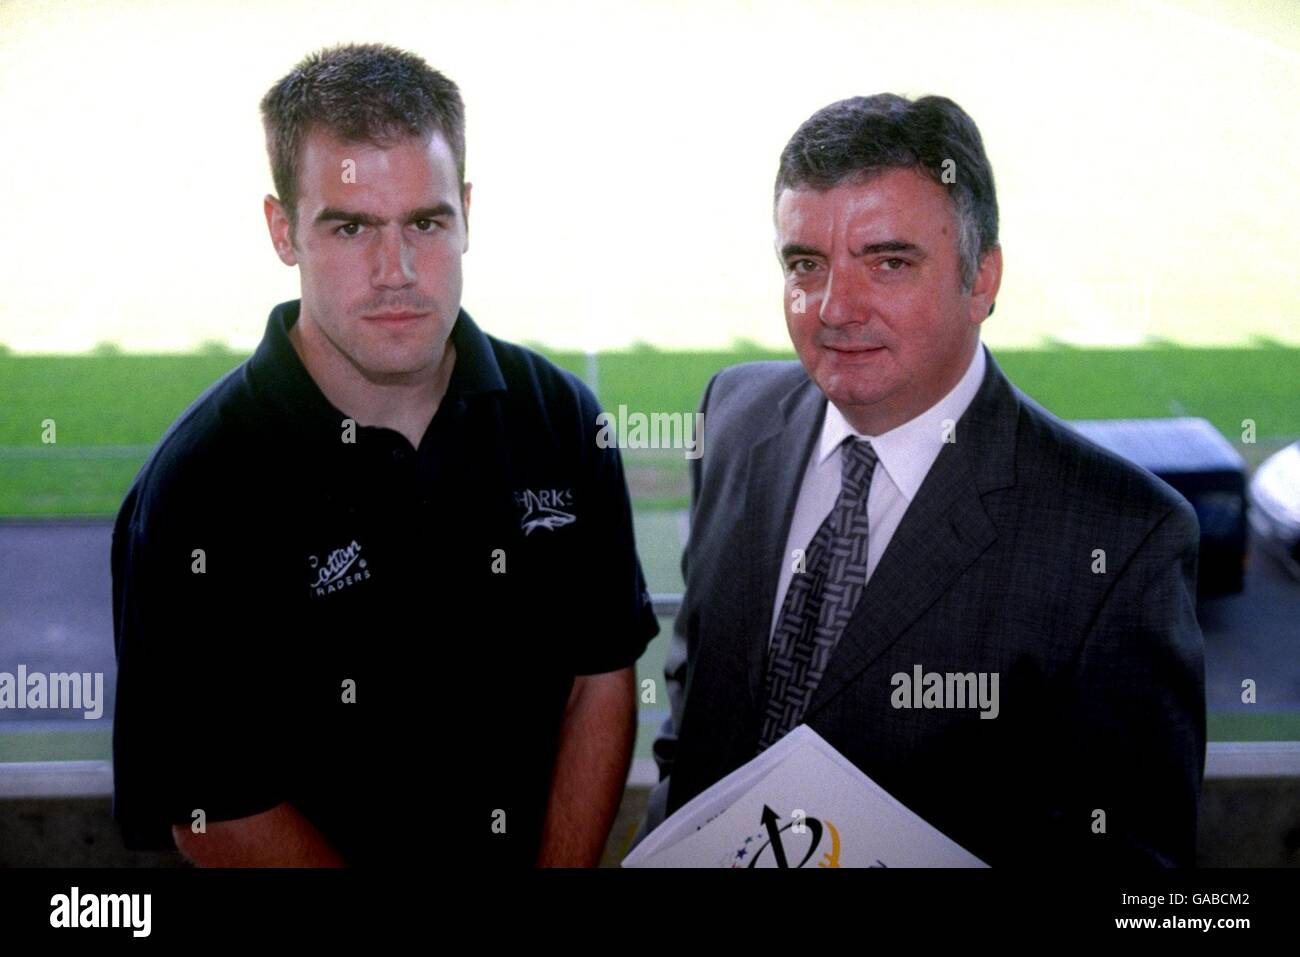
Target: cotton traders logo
[
  {"x": 542, "y": 509},
  {"x": 342, "y": 568},
  {"x": 792, "y": 844}
]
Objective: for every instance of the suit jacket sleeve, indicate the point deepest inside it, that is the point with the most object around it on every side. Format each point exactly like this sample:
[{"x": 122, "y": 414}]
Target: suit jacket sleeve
[{"x": 1135, "y": 711}]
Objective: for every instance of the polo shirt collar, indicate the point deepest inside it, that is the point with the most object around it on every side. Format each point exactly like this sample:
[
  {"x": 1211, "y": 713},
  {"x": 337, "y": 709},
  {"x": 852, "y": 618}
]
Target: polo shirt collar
[
  {"x": 907, "y": 451},
  {"x": 279, "y": 374},
  {"x": 476, "y": 370}
]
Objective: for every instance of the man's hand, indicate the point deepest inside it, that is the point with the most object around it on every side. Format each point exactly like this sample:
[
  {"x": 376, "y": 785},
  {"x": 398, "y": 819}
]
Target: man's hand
[
  {"x": 280, "y": 837},
  {"x": 590, "y": 769}
]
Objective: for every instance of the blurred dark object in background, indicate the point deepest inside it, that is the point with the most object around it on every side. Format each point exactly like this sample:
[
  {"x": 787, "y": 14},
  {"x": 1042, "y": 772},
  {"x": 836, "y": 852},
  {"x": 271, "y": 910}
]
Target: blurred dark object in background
[{"x": 1192, "y": 456}]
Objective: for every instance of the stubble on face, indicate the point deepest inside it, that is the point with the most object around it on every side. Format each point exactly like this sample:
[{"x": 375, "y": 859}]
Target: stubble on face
[{"x": 381, "y": 231}]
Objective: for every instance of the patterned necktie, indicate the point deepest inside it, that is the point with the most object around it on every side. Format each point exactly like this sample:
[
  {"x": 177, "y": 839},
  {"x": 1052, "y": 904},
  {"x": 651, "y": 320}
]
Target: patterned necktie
[{"x": 820, "y": 599}]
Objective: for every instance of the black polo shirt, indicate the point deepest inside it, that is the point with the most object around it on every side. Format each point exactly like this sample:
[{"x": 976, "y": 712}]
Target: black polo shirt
[{"x": 383, "y": 636}]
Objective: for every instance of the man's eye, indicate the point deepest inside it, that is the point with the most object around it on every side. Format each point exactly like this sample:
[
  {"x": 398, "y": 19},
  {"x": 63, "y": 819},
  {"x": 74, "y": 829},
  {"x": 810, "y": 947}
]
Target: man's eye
[
  {"x": 798, "y": 266},
  {"x": 343, "y": 230},
  {"x": 894, "y": 265},
  {"x": 427, "y": 225}
]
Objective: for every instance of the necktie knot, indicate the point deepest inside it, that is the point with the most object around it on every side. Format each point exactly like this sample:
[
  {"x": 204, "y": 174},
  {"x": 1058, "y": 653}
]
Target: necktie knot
[{"x": 857, "y": 463}]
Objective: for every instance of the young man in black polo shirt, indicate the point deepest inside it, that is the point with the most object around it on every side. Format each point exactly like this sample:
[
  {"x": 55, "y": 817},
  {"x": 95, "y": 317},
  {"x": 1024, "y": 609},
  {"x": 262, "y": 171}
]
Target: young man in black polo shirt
[{"x": 376, "y": 595}]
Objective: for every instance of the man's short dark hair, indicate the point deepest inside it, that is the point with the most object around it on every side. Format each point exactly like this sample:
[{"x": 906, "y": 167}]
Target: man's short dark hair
[
  {"x": 857, "y": 138},
  {"x": 358, "y": 92}
]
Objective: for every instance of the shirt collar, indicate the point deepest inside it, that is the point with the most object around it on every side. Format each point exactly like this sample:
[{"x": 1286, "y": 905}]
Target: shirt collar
[
  {"x": 279, "y": 374},
  {"x": 476, "y": 369},
  {"x": 907, "y": 451}
]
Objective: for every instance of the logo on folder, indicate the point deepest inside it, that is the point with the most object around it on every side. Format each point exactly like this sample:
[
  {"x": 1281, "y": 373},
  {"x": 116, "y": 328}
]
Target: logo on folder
[{"x": 794, "y": 844}]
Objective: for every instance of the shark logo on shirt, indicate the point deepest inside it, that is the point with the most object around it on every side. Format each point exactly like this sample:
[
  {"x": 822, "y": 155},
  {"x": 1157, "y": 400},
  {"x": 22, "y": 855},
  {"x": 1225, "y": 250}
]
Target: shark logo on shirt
[{"x": 542, "y": 509}]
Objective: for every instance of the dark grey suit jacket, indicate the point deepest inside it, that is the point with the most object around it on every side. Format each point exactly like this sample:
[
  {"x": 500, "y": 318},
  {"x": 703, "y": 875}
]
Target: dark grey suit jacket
[{"x": 1101, "y": 674}]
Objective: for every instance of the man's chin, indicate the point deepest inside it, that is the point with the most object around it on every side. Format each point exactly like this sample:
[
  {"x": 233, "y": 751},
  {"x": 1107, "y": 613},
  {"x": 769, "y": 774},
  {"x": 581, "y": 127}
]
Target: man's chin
[
  {"x": 392, "y": 368},
  {"x": 852, "y": 390}
]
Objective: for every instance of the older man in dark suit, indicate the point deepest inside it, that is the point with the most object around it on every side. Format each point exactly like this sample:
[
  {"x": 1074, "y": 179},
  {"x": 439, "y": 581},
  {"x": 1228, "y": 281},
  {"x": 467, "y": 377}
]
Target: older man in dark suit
[{"x": 890, "y": 513}]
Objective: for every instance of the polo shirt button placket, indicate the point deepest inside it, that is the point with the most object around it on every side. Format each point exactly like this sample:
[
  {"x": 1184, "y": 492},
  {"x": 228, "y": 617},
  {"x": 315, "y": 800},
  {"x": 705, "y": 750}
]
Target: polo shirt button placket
[{"x": 405, "y": 475}]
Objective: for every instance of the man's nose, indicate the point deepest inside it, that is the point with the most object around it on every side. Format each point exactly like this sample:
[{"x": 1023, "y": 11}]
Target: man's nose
[
  {"x": 843, "y": 297},
  {"x": 393, "y": 266}
]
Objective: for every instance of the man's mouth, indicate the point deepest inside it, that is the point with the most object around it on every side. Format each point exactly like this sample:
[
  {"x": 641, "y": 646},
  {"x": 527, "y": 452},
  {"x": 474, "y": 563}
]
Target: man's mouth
[
  {"x": 395, "y": 317},
  {"x": 853, "y": 350}
]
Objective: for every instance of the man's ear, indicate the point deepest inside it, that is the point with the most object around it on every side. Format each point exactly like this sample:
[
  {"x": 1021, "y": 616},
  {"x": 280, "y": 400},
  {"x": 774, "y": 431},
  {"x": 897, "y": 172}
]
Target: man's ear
[
  {"x": 277, "y": 222},
  {"x": 988, "y": 278},
  {"x": 464, "y": 207}
]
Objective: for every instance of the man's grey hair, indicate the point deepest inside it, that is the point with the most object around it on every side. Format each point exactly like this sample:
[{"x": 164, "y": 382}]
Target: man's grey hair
[{"x": 855, "y": 139}]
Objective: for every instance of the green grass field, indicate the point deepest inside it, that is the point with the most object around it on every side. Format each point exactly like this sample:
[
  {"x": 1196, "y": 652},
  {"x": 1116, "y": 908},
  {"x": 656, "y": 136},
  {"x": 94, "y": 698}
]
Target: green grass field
[{"x": 109, "y": 409}]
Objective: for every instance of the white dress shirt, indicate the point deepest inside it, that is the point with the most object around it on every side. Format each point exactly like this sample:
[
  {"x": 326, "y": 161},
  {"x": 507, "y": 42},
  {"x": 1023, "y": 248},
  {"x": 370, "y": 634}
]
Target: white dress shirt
[{"x": 905, "y": 454}]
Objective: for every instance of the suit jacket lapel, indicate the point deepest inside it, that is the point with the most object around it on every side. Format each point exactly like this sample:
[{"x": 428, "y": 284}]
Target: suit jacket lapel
[
  {"x": 944, "y": 529},
  {"x": 776, "y": 467}
]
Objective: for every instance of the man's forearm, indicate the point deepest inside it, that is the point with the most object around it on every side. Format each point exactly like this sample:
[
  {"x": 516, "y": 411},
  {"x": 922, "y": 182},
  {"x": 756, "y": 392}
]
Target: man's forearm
[
  {"x": 280, "y": 837},
  {"x": 590, "y": 769}
]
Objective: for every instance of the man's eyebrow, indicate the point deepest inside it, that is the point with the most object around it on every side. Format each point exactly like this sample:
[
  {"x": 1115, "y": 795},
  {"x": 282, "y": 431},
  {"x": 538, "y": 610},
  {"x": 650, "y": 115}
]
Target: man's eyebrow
[
  {"x": 332, "y": 214},
  {"x": 798, "y": 249},
  {"x": 891, "y": 246},
  {"x": 888, "y": 246}
]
